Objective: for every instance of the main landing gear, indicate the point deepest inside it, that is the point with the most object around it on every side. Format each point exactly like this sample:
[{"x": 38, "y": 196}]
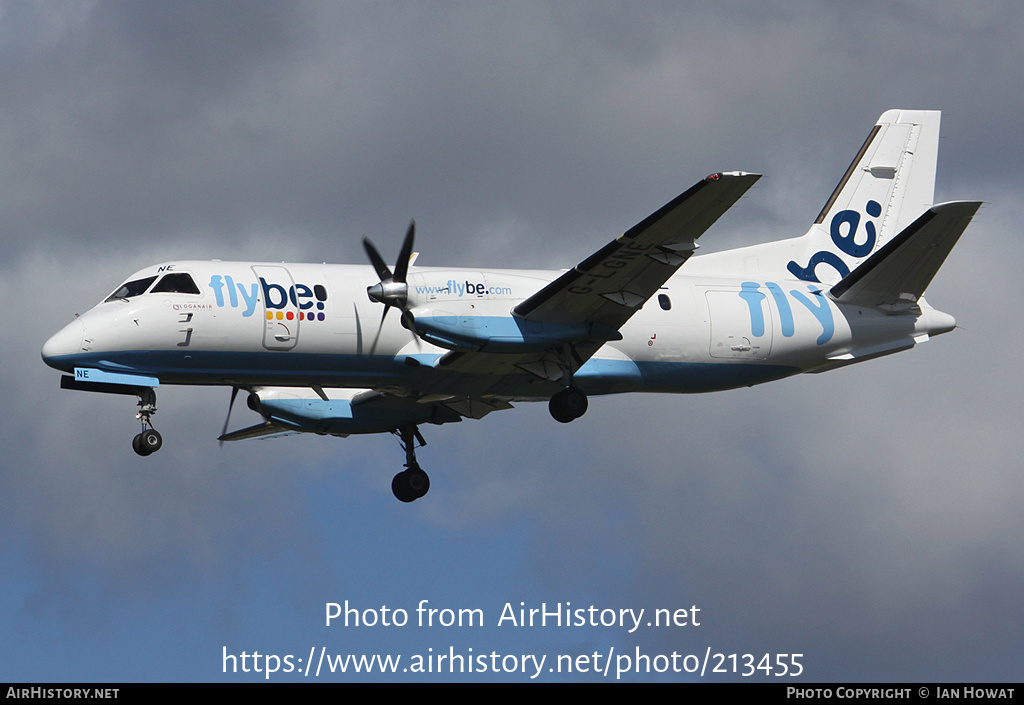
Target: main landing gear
[
  {"x": 412, "y": 483},
  {"x": 149, "y": 440},
  {"x": 568, "y": 404}
]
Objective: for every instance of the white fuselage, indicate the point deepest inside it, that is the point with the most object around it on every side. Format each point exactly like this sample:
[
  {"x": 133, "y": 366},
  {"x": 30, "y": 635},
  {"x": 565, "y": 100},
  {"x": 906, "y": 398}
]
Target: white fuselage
[{"x": 314, "y": 325}]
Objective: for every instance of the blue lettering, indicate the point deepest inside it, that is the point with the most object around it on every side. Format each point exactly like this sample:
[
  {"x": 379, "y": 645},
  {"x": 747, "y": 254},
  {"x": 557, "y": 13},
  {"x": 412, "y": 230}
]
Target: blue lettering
[
  {"x": 848, "y": 242},
  {"x": 821, "y": 311},
  {"x": 302, "y": 292},
  {"x": 268, "y": 289},
  {"x": 250, "y": 299},
  {"x": 845, "y": 241},
  {"x": 275, "y": 295},
  {"x": 753, "y": 297},
  {"x": 217, "y": 284},
  {"x": 232, "y": 296},
  {"x": 823, "y": 257},
  {"x": 785, "y": 313}
]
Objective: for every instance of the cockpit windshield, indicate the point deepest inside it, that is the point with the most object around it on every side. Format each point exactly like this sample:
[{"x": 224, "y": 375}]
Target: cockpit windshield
[
  {"x": 173, "y": 283},
  {"x": 176, "y": 283},
  {"x": 130, "y": 289}
]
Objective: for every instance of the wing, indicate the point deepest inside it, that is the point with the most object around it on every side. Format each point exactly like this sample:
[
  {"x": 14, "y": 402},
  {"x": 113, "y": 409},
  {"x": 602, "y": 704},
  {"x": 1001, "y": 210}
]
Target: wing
[{"x": 611, "y": 285}]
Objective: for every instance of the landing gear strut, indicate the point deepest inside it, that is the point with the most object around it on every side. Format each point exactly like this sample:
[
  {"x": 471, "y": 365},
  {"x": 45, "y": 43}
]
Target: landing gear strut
[
  {"x": 412, "y": 483},
  {"x": 149, "y": 440}
]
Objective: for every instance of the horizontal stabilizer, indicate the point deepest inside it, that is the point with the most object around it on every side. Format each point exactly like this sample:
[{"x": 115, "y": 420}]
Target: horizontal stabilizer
[
  {"x": 895, "y": 277},
  {"x": 260, "y": 430}
]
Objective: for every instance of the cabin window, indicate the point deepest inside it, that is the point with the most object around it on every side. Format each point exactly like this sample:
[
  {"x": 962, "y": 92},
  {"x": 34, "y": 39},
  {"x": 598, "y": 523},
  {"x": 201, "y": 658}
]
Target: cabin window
[
  {"x": 176, "y": 283},
  {"x": 664, "y": 301},
  {"x": 320, "y": 292},
  {"x": 132, "y": 288}
]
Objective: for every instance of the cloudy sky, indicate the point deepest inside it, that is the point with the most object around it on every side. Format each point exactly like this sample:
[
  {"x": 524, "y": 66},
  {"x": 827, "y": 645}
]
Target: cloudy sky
[{"x": 868, "y": 518}]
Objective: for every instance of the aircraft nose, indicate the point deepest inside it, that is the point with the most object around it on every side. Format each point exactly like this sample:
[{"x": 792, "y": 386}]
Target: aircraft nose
[{"x": 65, "y": 343}]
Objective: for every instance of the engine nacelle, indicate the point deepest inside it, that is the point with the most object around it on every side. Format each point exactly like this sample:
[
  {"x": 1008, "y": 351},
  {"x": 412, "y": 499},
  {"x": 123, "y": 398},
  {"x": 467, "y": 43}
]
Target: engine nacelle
[
  {"x": 506, "y": 333},
  {"x": 467, "y": 310}
]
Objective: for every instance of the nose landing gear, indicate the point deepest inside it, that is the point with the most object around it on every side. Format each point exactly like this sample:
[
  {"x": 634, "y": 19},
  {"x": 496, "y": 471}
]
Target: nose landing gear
[{"x": 149, "y": 440}]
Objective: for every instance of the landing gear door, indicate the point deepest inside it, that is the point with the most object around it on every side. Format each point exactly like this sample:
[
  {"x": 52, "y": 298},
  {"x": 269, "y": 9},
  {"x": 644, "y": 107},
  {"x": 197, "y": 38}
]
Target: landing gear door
[{"x": 280, "y": 309}]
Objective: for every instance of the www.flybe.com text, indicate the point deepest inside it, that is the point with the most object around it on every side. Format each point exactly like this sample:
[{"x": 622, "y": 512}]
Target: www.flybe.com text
[{"x": 464, "y": 288}]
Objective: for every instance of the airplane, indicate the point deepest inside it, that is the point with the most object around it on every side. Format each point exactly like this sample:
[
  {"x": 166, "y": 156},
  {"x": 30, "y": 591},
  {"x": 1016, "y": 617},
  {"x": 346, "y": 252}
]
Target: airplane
[{"x": 315, "y": 350}]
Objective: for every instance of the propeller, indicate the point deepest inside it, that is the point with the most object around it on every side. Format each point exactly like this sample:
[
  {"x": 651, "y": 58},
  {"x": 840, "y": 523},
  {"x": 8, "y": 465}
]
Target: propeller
[
  {"x": 231, "y": 404},
  {"x": 392, "y": 290}
]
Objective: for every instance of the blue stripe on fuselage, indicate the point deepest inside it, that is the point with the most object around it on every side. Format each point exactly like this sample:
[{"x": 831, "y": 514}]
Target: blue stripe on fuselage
[{"x": 597, "y": 376}]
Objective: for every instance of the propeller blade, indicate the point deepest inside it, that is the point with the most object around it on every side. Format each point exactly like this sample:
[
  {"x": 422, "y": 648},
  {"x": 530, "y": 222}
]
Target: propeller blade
[
  {"x": 405, "y": 254},
  {"x": 409, "y": 323},
  {"x": 378, "y": 262},
  {"x": 223, "y": 431},
  {"x": 373, "y": 348}
]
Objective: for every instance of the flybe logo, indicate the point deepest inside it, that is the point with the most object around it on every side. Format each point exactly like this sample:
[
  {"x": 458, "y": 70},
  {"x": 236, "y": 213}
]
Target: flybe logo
[
  {"x": 843, "y": 230},
  {"x": 816, "y": 303},
  {"x": 281, "y": 302}
]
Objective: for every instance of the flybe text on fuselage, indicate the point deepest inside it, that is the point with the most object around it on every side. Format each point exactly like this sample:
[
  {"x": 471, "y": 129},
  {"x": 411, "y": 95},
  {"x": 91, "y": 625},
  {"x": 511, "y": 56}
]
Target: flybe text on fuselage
[
  {"x": 817, "y": 304},
  {"x": 276, "y": 297}
]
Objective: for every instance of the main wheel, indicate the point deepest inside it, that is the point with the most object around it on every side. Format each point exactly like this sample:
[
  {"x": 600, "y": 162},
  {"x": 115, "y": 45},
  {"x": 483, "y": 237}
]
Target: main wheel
[
  {"x": 419, "y": 481},
  {"x": 568, "y": 404},
  {"x": 409, "y": 485}
]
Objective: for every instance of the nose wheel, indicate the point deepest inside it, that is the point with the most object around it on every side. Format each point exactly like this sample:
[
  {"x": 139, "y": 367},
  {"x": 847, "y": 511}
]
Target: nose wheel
[
  {"x": 149, "y": 440},
  {"x": 412, "y": 483}
]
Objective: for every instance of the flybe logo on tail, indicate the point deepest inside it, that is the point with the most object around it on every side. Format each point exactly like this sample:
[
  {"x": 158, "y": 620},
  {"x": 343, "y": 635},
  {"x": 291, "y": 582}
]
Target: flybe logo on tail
[
  {"x": 843, "y": 230},
  {"x": 276, "y": 297}
]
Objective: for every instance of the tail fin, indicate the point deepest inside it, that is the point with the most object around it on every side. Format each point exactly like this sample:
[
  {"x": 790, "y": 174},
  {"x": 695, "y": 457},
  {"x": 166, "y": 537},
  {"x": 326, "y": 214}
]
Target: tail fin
[{"x": 888, "y": 185}]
